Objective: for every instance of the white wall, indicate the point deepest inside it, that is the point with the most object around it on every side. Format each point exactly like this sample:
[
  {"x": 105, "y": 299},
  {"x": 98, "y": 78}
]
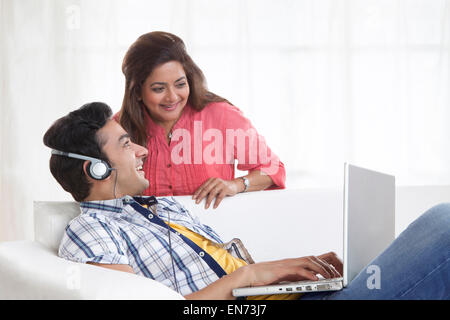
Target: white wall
[{"x": 325, "y": 81}]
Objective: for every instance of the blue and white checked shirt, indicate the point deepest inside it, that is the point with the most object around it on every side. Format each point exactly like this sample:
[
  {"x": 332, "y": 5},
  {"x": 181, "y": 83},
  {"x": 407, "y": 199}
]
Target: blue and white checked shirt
[{"x": 121, "y": 231}]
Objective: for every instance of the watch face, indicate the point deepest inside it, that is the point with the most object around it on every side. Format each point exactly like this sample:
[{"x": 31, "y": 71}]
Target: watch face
[{"x": 246, "y": 183}]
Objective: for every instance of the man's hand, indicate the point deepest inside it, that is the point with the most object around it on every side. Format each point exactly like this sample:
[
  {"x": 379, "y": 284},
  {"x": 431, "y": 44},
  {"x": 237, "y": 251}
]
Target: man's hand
[
  {"x": 334, "y": 261},
  {"x": 217, "y": 188},
  {"x": 266, "y": 273},
  {"x": 305, "y": 268}
]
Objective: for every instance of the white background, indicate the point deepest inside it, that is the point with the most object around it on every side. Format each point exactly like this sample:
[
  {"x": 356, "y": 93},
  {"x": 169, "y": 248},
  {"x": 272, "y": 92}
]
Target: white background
[{"x": 325, "y": 81}]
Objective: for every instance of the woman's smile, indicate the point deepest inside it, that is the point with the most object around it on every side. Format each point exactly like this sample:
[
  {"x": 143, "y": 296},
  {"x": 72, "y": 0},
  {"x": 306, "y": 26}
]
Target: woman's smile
[{"x": 170, "y": 107}]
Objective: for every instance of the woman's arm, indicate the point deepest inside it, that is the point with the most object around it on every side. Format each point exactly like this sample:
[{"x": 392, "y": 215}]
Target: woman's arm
[
  {"x": 264, "y": 167},
  {"x": 258, "y": 180}
]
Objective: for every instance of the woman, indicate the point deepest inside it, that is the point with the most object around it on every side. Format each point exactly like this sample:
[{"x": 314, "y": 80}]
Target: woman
[{"x": 193, "y": 136}]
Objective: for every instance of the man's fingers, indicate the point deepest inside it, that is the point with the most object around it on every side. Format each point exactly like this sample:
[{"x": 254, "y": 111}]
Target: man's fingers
[
  {"x": 307, "y": 274},
  {"x": 320, "y": 267},
  {"x": 330, "y": 268},
  {"x": 334, "y": 260}
]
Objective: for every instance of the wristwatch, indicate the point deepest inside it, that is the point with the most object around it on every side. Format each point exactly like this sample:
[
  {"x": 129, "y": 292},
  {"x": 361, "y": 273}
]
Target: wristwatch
[{"x": 246, "y": 183}]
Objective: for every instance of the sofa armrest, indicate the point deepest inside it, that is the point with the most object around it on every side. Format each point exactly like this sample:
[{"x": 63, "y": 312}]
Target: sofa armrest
[{"x": 29, "y": 270}]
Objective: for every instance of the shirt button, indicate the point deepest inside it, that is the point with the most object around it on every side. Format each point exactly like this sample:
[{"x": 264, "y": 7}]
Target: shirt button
[
  {"x": 169, "y": 165},
  {"x": 201, "y": 254},
  {"x": 170, "y": 187},
  {"x": 150, "y": 216}
]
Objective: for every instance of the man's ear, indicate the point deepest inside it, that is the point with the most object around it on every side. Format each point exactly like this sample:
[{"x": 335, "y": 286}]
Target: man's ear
[{"x": 86, "y": 169}]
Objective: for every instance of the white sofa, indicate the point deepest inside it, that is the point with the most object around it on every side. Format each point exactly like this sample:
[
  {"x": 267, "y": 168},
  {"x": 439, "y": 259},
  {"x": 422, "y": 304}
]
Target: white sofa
[{"x": 272, "y": 224}]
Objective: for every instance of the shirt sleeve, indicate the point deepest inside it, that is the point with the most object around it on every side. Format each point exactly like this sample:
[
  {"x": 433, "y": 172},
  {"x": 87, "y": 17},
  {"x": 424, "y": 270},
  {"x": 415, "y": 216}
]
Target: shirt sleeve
[
  {"x": 87, "y": 239},
  {"x": 249, "y": 148}
]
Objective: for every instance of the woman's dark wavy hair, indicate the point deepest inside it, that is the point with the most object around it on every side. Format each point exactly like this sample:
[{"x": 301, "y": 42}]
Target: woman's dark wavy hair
[
  {"x": 77, "y": 133},
  {"x": 145, "y": 54}
]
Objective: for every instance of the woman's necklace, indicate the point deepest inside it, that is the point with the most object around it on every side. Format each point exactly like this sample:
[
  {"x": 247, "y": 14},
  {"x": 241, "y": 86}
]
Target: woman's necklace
[{"x": 169, "y": 137}]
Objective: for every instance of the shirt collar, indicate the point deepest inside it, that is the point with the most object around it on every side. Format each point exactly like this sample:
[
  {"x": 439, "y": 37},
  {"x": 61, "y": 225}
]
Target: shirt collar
[{"x": 116, "y": 205}]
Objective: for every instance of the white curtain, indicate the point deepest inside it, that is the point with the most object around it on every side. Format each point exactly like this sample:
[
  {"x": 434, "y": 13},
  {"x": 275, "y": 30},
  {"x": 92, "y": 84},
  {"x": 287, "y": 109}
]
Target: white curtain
[{"x": 325, "y": 81}]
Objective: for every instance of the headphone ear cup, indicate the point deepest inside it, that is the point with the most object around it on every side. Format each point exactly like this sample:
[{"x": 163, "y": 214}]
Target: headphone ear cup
[
  {"x": 99, "y": 170},
  {"x": 108, "y": 170}
]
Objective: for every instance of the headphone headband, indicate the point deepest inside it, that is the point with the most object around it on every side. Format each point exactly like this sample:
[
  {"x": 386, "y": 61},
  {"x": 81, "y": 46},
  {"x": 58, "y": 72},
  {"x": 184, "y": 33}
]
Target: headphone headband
[
  {"x": 74, "y": 155},
  {"x": 98, "y": 169}
]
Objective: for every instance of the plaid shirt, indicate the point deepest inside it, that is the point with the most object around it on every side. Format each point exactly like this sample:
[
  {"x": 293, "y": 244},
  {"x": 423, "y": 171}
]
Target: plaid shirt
[{"x": 122, "y": 231}]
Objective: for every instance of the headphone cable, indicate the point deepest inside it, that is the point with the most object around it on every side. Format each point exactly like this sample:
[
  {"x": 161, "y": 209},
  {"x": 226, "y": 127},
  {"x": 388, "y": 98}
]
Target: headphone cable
[
  {"x": 168, "y": 234},
  {"x": 115, "y": 182},
  {"x": 170, "y": 252}
]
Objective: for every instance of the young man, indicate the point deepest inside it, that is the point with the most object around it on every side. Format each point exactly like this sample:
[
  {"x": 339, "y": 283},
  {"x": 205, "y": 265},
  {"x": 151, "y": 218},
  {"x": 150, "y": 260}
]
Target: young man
[{"x": 160, "y": 239}]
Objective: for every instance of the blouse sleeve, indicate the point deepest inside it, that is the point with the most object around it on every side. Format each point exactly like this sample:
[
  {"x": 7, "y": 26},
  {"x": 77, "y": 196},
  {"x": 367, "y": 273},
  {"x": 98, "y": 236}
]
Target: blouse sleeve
[{"x": 250, "y": 149}]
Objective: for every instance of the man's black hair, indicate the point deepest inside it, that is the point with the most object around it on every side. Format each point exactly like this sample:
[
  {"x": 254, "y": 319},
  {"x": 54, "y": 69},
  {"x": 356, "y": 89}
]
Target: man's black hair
[{"x": 77, "y": 133}]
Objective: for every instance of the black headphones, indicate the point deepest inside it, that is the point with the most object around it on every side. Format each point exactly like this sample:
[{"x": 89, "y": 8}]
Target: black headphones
[{"x": 97, "y": 169}]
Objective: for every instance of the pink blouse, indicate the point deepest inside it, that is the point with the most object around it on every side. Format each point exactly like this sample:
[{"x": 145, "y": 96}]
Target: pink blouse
[{"x": 206, "y": 144}]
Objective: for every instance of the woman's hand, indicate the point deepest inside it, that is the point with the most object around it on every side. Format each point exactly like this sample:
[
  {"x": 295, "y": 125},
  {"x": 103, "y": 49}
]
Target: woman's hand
[{"x": 218, "y": 189}]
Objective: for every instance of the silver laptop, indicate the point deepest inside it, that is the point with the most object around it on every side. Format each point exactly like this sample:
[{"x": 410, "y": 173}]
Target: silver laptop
[{"x": 369, "y": 228}]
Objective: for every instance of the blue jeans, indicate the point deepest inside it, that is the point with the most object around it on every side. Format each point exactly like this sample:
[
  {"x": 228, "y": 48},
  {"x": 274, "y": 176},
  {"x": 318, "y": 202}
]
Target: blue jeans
[{"x": 415, "y": 266}]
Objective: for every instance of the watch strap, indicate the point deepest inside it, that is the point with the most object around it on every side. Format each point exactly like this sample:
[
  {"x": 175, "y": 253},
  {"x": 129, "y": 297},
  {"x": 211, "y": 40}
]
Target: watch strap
[{"x": 246, "y": 183}]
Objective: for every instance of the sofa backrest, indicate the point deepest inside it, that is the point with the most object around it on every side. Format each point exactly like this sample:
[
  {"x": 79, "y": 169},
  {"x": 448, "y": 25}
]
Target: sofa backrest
[
  {"x": 272, "y": 224},
  {"x": 50, "y": 220}
]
